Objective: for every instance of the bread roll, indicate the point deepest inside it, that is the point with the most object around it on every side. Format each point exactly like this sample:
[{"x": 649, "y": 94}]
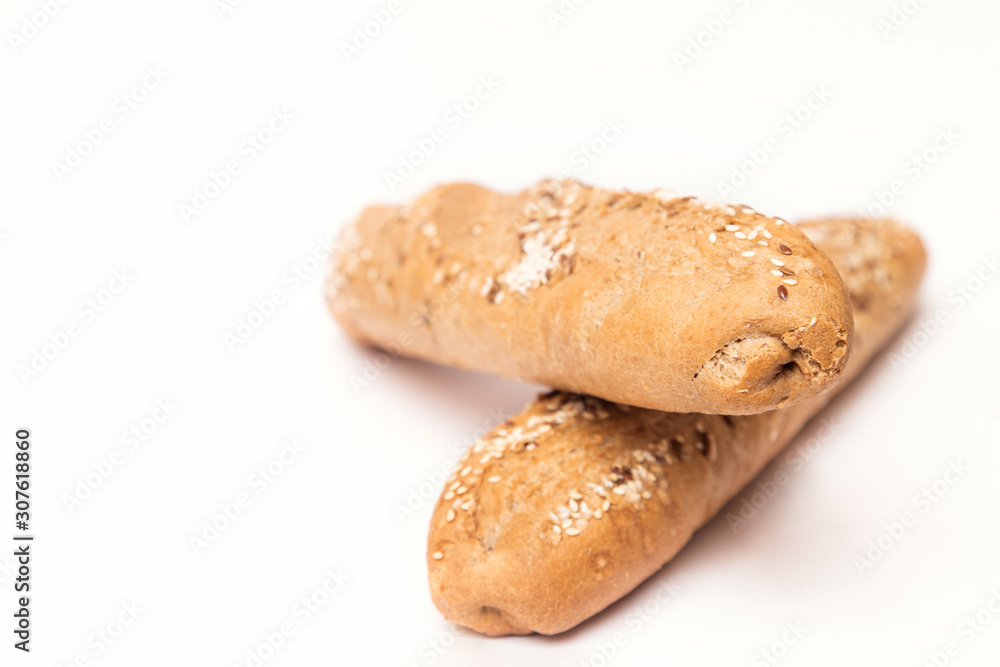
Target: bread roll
[
  {"x": 566, "y": 508},
  {"x": 660, "y": 302}
]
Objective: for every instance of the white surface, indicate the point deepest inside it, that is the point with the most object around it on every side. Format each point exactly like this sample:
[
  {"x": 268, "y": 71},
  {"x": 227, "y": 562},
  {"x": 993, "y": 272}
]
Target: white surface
[{"x": 334, "y": 506}]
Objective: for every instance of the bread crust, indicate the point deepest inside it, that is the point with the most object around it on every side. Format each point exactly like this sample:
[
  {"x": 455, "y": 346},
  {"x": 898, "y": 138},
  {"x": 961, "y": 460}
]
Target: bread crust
[
  {"x": 567, "y": 507},
  {"x": 644, "y": 299}
]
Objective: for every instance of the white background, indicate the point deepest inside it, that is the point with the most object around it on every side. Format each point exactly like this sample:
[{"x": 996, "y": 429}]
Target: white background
[{"x": 335, "y": 507}]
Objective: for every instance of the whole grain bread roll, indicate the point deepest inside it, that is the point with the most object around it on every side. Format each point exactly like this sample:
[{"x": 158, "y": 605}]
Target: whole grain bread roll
[
  {"x": 644, "y": 299},
  {"x": 567, "y": 507}
]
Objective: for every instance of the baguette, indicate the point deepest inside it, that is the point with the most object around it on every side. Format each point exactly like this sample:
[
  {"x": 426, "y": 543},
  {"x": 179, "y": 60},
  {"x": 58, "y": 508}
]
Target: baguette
[
  {"x": 665, "y": 303},
  {"x": 566, "y": 508}
]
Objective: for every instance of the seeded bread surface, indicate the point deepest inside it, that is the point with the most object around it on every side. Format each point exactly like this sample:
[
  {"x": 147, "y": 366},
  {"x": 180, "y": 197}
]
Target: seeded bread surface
[
  {"x": 570, "y": 505},
  {"x": 643, "y": 299}
]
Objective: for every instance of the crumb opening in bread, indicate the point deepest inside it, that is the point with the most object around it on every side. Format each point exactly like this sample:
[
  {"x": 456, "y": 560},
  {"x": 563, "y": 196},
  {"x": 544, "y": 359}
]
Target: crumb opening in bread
[
  {"x": 780, "y": 364},
  {"x": 748, "y": 363}
]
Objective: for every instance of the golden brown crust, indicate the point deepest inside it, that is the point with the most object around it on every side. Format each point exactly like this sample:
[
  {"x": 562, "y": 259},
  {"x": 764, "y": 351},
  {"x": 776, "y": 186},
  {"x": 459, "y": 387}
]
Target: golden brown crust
[
  {"x": 570, "y": 505},
  {"x": 643, "y": 299}
]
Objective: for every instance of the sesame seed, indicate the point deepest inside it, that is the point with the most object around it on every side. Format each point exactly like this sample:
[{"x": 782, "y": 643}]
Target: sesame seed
[
  {"x": 752, "y": 235},
  {"x": 494, "y": 479},
  {"x": 477, "y": 471},
  {"x": 567, "y": 523},
  {"x": 790, "y": 281},
  {"x": 450, "y": 516},
  {"x": 812, "y": 322},
  {"x": 573, "y": 505},
  {"x": 740, "y": 235},
  {"x": 620, "y": 490},
  {"x": 466, "y": 505},
  {"x": 485, "y": 459},
  {"x": 437, "y": 555},
  {"x": 487, "y": 286},
  {"x": 646, "y": 495},
  {"x": 572, "y": 532},
  {"x": 449, "y": 495},
  {"x": 749, "y": 253},
  {"x": 712, "y": 238},
  {"x": 784, "y": 249},
  {"x": 465, "y": 471},
  {"x": 598, "y": 513},
  {"x": 499, "y": 298},
  {"x": 762, "y": 243},
  {"x": 575, "y": 495},
  {"x": 584, "y": 508},
  {"x": 779, "y": 222},
  {"x": 783, "y": 292},
  {"x": 777, "y": 262},
  {"x": 766, "y": 234},
  {"x": 606, "y": 506},
  {"x": 557, "y": 529},
  {"x": 462, "y": 490},
  {"x": 776, "y": 272},
  {"x": 732, "y": 228}
]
